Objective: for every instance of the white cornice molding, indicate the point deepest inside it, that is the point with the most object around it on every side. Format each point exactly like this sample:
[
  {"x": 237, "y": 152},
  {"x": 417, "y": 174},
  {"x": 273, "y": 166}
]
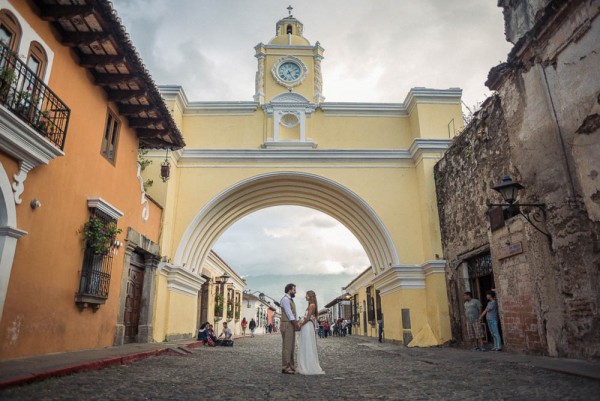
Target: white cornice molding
[
  {"x": 365, "y": 279},
  {"x": 221, "y": 108},
  {"x": 434, "y": 267},
  {"x": 22, "y": 142},
  {"x": 26, "y": 145},
  {"x": 364, "y": 109},
  {"x": 420, "y": 95},
  {"x": 428, "y": 145},
  {"x": 291, "y": 47},
  {"x": 181, "y": 280},
  {"x": 289, "y": 102},
  {"x": 400, "y": 277},
  {"x": 174, "y": 92},
  {"x": 415, "y": 96},
  {"x": 309, "y": 144},
  {"x": 98, "y": 203},
  {"x": 306, "y": 155},
  {"x": 407, "y": 276},
  {"x": 294, "y": 151}
]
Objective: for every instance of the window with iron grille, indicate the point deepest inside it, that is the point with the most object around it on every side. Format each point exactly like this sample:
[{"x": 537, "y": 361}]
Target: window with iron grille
[
  {"x": 378, "y": 296},
  {"x": 370, "y": 305},
  {"x": 230, "y": 303},
  {"x": 95, "y": 272},
  {"x": 355, "y": 313}
]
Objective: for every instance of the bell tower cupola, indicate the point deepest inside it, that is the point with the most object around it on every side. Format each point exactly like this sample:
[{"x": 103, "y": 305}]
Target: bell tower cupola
[
  {"x": 289, "y": 63},
  {"x": 289, "y": 25}
]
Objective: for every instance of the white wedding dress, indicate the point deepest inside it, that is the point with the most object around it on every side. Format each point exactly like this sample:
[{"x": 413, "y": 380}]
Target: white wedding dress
[{"x": 308, "y": 357}]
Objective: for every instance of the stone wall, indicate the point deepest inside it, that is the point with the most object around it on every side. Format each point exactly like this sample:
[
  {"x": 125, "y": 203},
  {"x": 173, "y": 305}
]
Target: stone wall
[
  {"x": 545, "y": 121},
  {"x": 477, "y": 160}
]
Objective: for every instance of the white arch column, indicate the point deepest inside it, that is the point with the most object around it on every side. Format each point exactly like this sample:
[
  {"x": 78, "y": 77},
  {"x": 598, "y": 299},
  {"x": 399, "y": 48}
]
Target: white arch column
[
  {"x": 9, "y": 234},
  {"x": 286, "y": 188}
]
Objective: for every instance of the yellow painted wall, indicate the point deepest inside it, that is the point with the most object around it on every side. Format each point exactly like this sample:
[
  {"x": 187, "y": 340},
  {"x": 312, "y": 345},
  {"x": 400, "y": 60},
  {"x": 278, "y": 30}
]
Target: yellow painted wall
[
  {"x": 182, "y": 306},
  {"x": 40, "y": 315},
  {"x": 437, "y": 306},
  {"x": 392, "y": 305},
  {"x": 433, "y": 120}
]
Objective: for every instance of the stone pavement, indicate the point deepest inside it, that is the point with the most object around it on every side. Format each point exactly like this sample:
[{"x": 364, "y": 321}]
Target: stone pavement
[{"x": 356, "y": 368}]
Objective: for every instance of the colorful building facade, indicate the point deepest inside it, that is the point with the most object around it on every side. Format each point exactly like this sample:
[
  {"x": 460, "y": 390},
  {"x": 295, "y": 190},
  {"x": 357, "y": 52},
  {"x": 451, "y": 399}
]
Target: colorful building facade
[{"x": 78, "y": 237}]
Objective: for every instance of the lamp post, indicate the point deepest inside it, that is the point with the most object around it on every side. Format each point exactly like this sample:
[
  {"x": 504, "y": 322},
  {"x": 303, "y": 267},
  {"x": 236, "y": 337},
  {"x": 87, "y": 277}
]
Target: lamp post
[{"x": 509, "y": 190}]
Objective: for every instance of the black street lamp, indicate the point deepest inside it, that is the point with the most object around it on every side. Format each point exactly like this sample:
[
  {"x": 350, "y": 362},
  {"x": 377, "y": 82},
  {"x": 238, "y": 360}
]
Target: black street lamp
[
  {"x": 222, "y": 279},
  {"x": 165, "y": 168},
  {"x": 509, "y": 190}
]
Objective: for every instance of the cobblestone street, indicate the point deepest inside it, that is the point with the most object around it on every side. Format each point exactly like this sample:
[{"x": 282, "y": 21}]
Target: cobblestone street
[{"x": 356, "y": 368}]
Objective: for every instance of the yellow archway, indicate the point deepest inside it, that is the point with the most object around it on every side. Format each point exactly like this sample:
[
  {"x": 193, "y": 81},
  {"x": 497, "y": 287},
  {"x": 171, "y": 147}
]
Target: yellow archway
[{"x": 286, "y": 188}]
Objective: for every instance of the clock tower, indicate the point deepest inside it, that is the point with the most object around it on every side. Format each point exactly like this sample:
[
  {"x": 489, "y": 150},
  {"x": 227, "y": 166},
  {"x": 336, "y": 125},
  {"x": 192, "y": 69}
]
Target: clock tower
[{"x": 289, "y": 63}]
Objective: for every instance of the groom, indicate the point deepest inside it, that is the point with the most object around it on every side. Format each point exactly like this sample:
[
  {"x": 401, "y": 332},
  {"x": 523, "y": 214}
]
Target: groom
[{"x": 288, "y": 328}]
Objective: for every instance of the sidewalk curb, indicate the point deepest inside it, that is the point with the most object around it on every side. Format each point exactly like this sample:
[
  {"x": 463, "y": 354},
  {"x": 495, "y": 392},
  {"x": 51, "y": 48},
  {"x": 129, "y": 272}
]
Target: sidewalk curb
[
  {"x": 119, "y": 360},
  {"x": 94, "y": 365}
]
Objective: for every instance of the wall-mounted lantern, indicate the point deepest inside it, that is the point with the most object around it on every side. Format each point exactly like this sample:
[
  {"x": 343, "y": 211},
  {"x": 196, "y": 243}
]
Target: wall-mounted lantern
[
  {"x": 509, "y": 190},
  {"x": 165, "y": 168}
]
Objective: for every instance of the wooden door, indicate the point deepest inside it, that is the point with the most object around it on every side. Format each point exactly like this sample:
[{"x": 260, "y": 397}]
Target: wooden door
[
  {"x": 203, "y": 304},
  {"x": 135, "y": 283}
]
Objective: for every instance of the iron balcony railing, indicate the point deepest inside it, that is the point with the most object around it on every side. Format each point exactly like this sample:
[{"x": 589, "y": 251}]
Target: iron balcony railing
[{"x": 24, "y": 93}]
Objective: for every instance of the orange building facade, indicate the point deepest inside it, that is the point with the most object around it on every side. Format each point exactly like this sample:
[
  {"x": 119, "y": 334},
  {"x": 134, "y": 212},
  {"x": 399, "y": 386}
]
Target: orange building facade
[{"x": 76, "y": 104}]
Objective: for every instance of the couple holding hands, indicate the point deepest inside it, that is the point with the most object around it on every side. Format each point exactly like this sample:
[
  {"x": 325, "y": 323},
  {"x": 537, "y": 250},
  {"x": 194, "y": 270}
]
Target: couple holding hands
[{"x": 308, "y": 357}]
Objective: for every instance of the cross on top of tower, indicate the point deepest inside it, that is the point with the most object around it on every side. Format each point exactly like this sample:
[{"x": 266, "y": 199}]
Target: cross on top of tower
[{"x": 290, "y": 8}]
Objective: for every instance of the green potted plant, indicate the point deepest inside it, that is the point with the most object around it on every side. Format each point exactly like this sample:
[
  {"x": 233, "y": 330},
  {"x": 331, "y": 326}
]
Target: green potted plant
[
  {"x": 237, "y": 310},
  {"x": 7, "y": 80},
  {"x": 100, "y": 235}
]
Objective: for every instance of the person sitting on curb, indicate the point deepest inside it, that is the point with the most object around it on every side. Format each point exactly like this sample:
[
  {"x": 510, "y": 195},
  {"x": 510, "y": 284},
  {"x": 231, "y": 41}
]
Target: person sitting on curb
[
  {"x": 212, "y": 339},
  {"x": 228, "y": 341},
  {"x": 203, "y": 333}
]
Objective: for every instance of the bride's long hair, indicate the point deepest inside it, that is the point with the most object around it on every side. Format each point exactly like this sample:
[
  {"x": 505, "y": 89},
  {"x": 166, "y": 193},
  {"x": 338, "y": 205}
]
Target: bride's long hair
[{"x": 312, "y": 299}]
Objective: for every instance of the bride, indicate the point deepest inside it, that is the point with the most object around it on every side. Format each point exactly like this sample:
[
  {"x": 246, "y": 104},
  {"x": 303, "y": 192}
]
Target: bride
[{"x": 308, "y": 358}]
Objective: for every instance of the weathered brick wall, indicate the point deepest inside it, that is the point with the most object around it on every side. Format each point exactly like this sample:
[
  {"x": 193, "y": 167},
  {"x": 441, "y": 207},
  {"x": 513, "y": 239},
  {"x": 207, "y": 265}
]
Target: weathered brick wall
[
  {"x": 543, "y": 129},
  {"x": 550, "y": 94},
  {"x": 477, "y": 160},
  {"x": 523, "y": 280}
]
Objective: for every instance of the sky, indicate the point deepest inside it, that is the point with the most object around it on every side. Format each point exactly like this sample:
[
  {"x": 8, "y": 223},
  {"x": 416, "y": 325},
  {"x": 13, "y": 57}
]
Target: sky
[
  {"x": 375, "y": 51},
  {"x": 292, "y": 244}
]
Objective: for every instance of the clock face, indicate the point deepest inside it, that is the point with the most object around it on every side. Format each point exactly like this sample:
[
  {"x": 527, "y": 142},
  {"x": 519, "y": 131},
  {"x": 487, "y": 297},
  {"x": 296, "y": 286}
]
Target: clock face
[{"x": 289, "y": 71}]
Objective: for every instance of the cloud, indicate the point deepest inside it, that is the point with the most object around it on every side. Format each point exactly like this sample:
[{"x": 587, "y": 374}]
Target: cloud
[
  {"x": 375, "y": 50},
  {"x": 287, "y": 240}
]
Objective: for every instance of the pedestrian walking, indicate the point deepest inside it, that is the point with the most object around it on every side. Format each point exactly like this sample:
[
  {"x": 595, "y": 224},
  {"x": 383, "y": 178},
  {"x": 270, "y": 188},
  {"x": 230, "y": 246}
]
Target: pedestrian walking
[
  {"x": 472, "y": 311},
  {"x": 491, "y": 315},
  {"x": 244, "y": 324},
  {"x": 252, "y": 327}
]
